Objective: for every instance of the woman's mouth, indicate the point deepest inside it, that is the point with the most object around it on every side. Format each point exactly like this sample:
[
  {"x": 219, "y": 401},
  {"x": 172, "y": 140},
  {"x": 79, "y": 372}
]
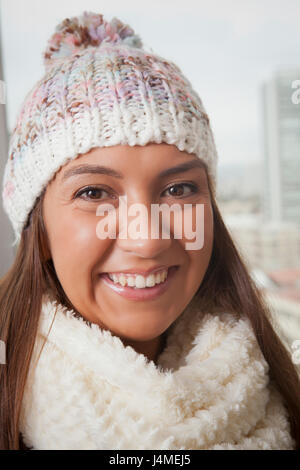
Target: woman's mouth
[{"x": 137, "y": 287}]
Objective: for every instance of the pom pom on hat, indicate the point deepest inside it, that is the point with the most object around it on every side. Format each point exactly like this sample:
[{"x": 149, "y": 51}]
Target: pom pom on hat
[{"x": 89, "y": 29}]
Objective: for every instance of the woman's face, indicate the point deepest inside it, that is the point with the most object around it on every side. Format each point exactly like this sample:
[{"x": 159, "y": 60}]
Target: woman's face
[{"x": 80, "y": 257}]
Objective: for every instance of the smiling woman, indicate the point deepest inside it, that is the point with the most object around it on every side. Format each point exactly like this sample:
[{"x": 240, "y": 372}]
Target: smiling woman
[
  {"x": 129, "y": 342},
  {"x": 144, "y": 174}
]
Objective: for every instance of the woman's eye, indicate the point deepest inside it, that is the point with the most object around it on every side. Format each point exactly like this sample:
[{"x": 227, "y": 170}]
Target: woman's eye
[
  {"x": 177, "y": 190},
  {"x": 91, "y": 193}
]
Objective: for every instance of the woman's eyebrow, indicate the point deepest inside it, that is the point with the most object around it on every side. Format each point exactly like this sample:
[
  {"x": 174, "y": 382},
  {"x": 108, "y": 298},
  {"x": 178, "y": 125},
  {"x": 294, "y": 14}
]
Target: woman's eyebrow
[
  {"x": 182, "y": 167},
  {"x": 104, "y": 170}
]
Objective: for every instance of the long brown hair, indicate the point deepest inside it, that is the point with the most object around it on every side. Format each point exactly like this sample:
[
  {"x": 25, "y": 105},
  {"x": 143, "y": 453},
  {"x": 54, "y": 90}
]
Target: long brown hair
[{"x": 227, "y": 285}]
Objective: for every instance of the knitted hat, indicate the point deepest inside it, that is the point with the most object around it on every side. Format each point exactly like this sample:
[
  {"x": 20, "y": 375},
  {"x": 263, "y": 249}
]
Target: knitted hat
[{"x": 100, "y": 89}]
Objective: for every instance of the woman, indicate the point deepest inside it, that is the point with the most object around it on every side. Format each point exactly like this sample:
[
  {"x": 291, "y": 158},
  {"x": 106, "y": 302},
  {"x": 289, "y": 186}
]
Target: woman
[{"x": 128, "y": 342}]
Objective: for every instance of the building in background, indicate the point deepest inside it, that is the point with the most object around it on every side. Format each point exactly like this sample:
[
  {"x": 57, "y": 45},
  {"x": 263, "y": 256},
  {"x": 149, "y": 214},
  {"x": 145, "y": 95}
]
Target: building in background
[
  {"x": 268, "y": 246},
  {"x": 6, "y": 233},
  {"x": 281, "y": 138},
  {"x": 267, "y": 234}
]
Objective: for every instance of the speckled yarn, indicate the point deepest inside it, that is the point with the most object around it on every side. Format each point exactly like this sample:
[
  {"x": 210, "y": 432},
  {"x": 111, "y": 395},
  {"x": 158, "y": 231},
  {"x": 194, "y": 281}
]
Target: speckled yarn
[{"x": 100, "y": 89}]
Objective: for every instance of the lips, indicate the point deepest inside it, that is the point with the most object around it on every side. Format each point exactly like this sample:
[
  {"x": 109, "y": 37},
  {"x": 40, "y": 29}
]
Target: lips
[{"x": 147, "y": 293}]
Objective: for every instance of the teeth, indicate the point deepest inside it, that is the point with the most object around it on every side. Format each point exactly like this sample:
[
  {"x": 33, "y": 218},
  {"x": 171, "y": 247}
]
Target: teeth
[
  {"x": 151, "y": 280},
  {"x": 139, "y": 281}
]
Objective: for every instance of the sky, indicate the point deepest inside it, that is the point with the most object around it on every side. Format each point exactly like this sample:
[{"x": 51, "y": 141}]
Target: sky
[{"x": 227, "y": 49}]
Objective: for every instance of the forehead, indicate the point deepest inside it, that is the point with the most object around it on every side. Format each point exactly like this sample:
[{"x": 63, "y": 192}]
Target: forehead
[{"x": 121, "y": 160}]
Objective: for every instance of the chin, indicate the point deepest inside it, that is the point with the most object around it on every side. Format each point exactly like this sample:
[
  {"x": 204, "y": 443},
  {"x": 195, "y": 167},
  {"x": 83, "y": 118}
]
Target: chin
[{"x": 139, "y": 335}]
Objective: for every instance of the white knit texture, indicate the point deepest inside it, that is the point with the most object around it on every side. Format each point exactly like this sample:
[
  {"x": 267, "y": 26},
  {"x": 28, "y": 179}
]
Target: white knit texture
[{"x": 210, "y": 388}]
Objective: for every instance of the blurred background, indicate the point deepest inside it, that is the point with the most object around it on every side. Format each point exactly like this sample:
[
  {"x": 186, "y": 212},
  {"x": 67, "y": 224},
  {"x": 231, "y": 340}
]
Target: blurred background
[{"x": 243, "y": 58}]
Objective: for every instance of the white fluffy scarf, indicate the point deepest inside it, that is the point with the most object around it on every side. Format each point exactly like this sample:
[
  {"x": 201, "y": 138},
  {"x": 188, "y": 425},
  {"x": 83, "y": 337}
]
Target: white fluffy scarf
[{"x": 209, "y": 389}]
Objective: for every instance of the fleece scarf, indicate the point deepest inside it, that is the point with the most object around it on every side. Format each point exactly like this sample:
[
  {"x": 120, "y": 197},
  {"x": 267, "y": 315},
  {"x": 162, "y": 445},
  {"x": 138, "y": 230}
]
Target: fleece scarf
[{"x": 209, "y": 388}]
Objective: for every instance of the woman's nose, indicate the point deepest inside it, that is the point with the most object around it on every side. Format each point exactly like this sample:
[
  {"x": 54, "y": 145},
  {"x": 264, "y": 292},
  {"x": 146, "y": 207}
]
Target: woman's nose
[
  {"x": 145, "y": 248},
  {"x": 144, "y": 235}
]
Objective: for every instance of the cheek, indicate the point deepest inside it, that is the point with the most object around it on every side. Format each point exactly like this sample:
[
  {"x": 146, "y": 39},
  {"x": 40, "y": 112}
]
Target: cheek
[
  {"x": 198, "y": 258},
  {"x": 197, "y": 230},
  {"x": 75, "y": 247}
]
